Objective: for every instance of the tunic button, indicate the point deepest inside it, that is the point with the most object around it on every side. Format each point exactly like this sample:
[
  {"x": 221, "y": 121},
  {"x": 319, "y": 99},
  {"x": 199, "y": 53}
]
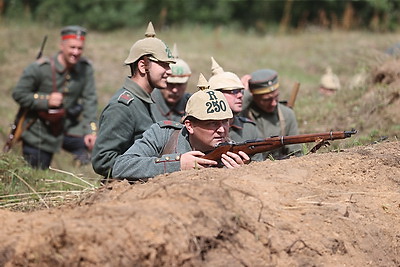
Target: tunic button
[
  {"x": 177, "y": 157},
  {"x": 35, "y": 96},
  {"x": 157, "y": 160},
  {"x": 167, "y": 158}
]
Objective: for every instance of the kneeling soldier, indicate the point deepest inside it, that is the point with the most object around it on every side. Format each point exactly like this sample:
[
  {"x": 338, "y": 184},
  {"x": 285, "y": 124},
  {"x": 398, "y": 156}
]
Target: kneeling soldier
[{"x": 169, "y": 146}]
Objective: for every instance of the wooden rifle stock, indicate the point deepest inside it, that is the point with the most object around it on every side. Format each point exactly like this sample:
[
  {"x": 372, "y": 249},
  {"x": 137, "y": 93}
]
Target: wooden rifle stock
[{"x": 251, "y": 147}]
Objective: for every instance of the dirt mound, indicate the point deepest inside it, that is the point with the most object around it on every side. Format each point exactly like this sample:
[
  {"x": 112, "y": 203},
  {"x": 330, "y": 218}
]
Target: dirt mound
[{"x": 322, "y": 209}]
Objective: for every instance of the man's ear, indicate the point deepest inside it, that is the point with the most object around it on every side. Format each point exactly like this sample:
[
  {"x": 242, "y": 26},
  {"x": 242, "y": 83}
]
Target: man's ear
[
  {"x": 141, "y": 66},
  {"x": 189, "y": 126}
]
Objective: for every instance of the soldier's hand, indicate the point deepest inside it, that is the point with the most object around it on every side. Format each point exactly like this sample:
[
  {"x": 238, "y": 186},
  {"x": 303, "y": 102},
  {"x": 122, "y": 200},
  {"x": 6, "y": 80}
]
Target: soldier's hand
[
  {"x": 232, "y": 160},
  {"x": 89, "y": 139},
  {"x": 55, "y": 99},
  {"x": 192, "y": 160}
]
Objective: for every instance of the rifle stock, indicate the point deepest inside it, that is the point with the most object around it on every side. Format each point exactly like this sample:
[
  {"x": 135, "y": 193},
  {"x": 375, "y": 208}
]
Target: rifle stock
[{"x": 251, "y": 147}]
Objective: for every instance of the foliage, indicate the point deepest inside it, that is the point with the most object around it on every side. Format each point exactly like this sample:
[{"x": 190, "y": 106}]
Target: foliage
[{"x": 108, "y": 15}]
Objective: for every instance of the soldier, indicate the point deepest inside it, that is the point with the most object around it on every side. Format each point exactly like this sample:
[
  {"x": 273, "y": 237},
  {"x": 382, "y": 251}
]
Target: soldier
[
  {"x": 128, "y": 113},
  {"x": 241, "y": 128},
  {"x": 171, "y": 102},
  {"x": 170, "y": 146},
  {"x": 59, "y": 95},
  {"x": 272, "y": 118}
]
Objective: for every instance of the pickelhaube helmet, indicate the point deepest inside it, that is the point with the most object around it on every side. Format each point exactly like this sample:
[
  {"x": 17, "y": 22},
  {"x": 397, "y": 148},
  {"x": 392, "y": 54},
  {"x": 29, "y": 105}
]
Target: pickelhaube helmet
[
  {"x": 207, "y": 104},
  {"x": 223, "y": 80},
  {"x": 329, "y": 80},
  {"x": 156, "y": 49},
  {"x": 180, "y": 70},
  {"x": 263, "y": 81}
]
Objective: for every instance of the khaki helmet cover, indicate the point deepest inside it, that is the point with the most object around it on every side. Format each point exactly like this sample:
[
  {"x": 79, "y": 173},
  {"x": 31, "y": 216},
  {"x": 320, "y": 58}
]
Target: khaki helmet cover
[
  {"x": 223, "y": 80},
  {"x": 263, "y": 81},
  {"x": 155, "y": 48},
  {"x": 207, "y": 104},
  {"x": 180, "y": 70},
  {"x": 329, "y": 80}
]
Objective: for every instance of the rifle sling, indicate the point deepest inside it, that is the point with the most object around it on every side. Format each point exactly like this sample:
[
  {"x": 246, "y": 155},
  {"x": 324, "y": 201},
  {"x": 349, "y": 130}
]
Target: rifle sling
[
  {"x": 282, "y": 122},
  {"x": 170, "y": 146}
]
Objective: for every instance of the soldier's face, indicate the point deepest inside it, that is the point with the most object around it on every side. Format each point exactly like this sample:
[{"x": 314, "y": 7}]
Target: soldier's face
[
  {"x": 173, "y": 93},
  {"x": 71, "y": 50},
  {"x": 205, "y": 135},
  {"x": 234, "y": 98},
  {"x": 267, "y": 102},
  {"x": 159, "y": 72}
]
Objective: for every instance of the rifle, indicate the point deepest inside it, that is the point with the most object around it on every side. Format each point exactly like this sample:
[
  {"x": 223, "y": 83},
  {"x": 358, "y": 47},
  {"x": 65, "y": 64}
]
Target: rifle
[
  {"x": 17, "y": 127},
  {"x": 251, "y": 147}
]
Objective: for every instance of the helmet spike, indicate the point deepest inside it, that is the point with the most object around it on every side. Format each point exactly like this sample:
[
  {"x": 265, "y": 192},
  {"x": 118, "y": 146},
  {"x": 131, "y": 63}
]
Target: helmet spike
[
  {"x": 175, "y": 52},
  {"x": 215, "y": 67},
  {"x": 202, "y": 83},
  {"x": 150, "y": 30}
]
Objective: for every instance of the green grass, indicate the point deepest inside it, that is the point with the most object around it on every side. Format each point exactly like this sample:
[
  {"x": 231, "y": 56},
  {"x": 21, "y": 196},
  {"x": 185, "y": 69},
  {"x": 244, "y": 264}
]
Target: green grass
[{"x": 299, "y": 57}]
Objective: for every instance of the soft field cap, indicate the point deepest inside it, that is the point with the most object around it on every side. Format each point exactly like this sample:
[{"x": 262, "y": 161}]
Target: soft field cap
[
  {"x": 152, "y": 46},
  {"x": 207, "y": 104},
  {"x": 73, "y": 32},
  {"x": 263, "y": 81},
  {"x": 329, "y": 80},
  {"x": 223, "y": 80},
  {"x": 180, "y": 70}
]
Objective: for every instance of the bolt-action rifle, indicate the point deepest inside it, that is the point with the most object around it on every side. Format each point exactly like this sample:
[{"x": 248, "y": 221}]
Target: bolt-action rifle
[
  {"x": 17, "y": 128},
  {"x": 251, "y": 147}
]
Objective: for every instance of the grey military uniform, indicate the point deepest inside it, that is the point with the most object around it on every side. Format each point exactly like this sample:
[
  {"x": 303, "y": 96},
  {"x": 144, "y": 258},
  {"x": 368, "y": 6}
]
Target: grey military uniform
[
  {"x": 161, "y": 111},
  {"x": 122, "y": 122},
  {"x": 243, "y": 129},
  {"x": 269, "y": 124},
  {"x": 145, "y": 158},
  {"x": 77, "y": 86}
]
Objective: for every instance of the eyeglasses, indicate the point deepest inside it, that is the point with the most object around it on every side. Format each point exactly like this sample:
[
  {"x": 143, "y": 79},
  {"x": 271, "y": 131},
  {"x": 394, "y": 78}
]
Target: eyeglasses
[{"x": 233, "y": 91}]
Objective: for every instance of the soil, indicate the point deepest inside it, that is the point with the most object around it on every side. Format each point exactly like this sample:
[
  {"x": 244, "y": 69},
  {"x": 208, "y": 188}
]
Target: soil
[{"x": 337, "y": 208}]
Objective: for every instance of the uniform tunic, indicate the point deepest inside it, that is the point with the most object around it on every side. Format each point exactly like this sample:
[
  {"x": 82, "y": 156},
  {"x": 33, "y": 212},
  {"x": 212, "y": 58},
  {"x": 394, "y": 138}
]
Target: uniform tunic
[
  {"x": 35, "y": 86},
  {"x": 122, "y": 122},
  {"x": 268, "y": 125},
  {"x": 162, "y": 111},
  {"x": 243, "y": 129},
  {"x": 144, "y": 159}
]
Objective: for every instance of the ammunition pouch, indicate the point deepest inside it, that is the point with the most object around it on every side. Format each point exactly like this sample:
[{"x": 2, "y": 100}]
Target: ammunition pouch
[{"x": 54, "y": 118}]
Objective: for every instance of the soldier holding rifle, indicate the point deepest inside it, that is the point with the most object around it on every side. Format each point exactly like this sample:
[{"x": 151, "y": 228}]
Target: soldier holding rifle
[
  {"x": 59, "y": 96},
  {"x": 272, "y": 118},
  {"x": 170, "y": 146}
]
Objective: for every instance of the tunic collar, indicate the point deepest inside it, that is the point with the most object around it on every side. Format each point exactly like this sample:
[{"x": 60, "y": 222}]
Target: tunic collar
[
  {"x": 236, "y": 123},
  {"x": 138, "y": 91}
]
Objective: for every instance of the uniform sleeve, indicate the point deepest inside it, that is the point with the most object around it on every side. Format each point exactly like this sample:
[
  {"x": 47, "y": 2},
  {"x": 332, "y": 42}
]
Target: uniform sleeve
[
  {"x": 115, "y": 135},
  {"x": 89, "y": 102},
  {"x": 144, "y": 160},
  {"x": 26, "y": 91}
]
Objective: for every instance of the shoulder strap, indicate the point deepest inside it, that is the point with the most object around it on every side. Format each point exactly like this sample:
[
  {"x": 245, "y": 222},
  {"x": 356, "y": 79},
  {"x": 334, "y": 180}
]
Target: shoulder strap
[
  {"x": 170, "y": 147},
  {"x": 53, "y": 74},
  {"x": 282, "y": 121}
]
